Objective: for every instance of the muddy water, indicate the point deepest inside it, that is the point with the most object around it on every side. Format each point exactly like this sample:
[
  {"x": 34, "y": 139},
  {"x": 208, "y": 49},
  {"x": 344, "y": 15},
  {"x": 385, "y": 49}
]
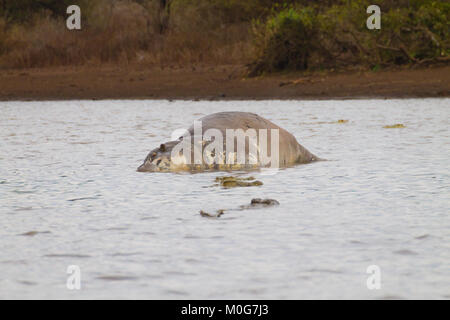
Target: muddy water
[{"x": 70, "y": 195}]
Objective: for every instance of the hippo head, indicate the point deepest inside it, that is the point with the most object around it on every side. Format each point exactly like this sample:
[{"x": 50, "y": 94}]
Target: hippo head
[{"x": 158, "y": 159}]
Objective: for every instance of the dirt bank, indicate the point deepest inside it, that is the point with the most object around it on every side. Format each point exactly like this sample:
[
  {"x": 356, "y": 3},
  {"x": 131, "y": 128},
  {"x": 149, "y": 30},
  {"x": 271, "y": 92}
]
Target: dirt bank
[{"x": 223, "y": 82}]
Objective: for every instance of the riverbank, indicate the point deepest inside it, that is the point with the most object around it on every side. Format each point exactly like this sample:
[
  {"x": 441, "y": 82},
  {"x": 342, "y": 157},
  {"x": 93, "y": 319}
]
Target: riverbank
[{"x": 221, "y": 82}]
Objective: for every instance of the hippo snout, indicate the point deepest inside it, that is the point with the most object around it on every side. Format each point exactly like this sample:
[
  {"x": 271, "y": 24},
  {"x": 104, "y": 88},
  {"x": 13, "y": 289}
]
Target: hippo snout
[{"x": 146, "y": 167}]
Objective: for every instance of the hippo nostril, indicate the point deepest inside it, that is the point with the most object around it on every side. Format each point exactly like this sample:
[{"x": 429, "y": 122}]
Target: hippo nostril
[{"x": 146, "y": 167}]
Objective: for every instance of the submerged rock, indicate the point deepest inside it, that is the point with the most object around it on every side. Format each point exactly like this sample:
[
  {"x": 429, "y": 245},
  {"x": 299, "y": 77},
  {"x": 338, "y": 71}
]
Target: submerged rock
[
  {"x": 266, "y": 202},
  {"x": 208, "y": 215},
  {"x": 254, "y": 203},
  {"x": 259, "y": 203},
  {"x": 231, "y": 182},
  {"x": 33, "y": 233},
  {"x": 395, "y": 126}
]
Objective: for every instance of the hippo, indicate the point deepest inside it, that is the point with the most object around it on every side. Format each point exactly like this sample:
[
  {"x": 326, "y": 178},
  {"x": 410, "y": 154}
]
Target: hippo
[{"x": 227, "y": 141}]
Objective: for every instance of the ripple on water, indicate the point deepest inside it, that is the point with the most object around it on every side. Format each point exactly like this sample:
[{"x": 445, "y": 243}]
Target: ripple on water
[
  {"x": 23, "y": 191},
  {"x": 356, "y": 242},
  {"x": 150, "y": 218},
  {"x": 27, "y": 283},
  {"x": 124, "y": 254},
  {"x": 149, "y": 233},
  {"x": 405, "y": 252},
  {"x": 191, "y": 236},
  {"x": 193, "y": 261},
  {"x": 179, "y": 273},
  {"x": 253, "y": 291},
  {"x": 33, "y": 233},
  {"x": 117, "y": 278},
  {"x": 176, "y": 292},
  {"x": 318, "y": 270},
  {"x": 83, "y": 198},
  {"x": 424, "y": 236},
  {"x": 67, "y": 255},
  {"x": 390, "y": 297},
  {"x": 14, "y": 262},
  {"x": 154, "y": 261},
  {"x": 117, "y": 228},
  {"x": 23, "y": 209}
]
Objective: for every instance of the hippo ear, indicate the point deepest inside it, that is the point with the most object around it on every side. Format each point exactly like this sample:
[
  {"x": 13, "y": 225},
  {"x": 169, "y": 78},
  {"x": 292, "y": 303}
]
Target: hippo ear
[{"x": 162, "y": 147}]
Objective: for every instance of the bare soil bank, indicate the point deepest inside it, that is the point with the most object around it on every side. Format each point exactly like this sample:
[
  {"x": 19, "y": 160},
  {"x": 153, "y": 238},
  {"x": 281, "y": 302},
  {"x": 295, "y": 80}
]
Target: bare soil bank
[{"x": 222, "y": 82}]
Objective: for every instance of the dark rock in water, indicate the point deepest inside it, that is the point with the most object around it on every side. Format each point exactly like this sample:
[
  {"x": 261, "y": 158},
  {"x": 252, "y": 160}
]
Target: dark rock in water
[
  {"x": 208, "y": 215},
  {"x": 259, "y": 203},
  {"x": 231, "y": 182},
  {"x": 405, "y": 252},
  {"x": 255, "y": 203},
  {"x": 266, "y": 202},
  {"x": 33, "y": 233}
]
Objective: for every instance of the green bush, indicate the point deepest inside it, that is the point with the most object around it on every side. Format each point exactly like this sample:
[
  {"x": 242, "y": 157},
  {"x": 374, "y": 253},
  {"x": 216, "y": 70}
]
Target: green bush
[
  {"x": 285, "y": 41},
  {"x": 297, "y": 38}
]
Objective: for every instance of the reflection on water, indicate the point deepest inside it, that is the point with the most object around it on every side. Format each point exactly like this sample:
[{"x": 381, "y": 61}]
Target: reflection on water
[{"x": 70, "y": 195}]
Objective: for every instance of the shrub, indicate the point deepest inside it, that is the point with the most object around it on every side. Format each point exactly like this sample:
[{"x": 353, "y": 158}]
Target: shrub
[
  {"x": 337, "y": 36},
  {"x": 285, "y": 41},
  {"x": 271, "y": 34}
]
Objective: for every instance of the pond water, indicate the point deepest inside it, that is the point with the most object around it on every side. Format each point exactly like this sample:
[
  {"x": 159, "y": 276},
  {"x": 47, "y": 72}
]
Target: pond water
[{"x": 70, "y": 196}]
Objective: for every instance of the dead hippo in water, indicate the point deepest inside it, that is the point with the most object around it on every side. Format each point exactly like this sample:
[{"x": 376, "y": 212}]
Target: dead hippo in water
[{"x": 228, "y": 141}]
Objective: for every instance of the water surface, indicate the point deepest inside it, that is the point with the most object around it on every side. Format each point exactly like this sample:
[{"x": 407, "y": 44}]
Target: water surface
[{"x": 70, "y": 195}]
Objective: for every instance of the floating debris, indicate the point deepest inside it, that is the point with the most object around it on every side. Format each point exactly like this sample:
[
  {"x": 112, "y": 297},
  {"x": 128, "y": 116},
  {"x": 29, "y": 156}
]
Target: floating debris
[
  {"x": 340, "y": 121},
  {"x": 395, "y": 126},
  {"x": 32, "y": 233},
  {"x": 116, "y": 278},
  {"x": 254, "y": 203},
  {"x": 405, "y": 252},
  {"x": 265, "y": 202},
  {"x": 259, "y": 203},
  {"x": 223, "y": 178},
  {"x": 208, "y": 215},
  {"x": 231, "y": 182}
]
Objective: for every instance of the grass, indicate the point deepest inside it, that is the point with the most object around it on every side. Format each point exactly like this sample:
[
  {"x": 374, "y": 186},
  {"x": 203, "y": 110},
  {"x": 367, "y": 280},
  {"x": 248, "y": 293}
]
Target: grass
[
  {"x": 266, "y": 35},
  {"x": 122, "y": 32}
]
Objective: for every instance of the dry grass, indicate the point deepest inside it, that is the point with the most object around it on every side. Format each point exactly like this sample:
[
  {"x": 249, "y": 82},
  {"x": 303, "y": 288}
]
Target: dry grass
[{"x": 124, "y": 32}]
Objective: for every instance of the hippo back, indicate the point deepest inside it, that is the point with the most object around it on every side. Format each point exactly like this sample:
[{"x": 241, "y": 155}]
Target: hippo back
[{"x": 290, "y": 151}]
